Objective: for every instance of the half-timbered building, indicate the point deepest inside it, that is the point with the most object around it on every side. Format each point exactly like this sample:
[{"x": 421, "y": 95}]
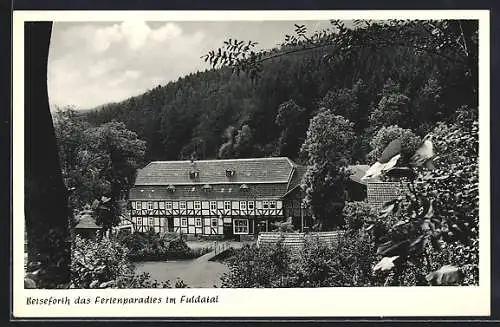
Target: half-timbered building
[{"x": 227, "y": 197}]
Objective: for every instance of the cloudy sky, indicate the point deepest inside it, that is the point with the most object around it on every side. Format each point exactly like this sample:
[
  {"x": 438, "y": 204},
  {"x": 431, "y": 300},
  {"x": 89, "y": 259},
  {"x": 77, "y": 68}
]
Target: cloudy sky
[{"x": 94, "y": 63}]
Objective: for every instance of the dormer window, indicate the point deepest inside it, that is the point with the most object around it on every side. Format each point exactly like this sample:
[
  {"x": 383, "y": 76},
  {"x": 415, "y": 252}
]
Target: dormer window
[
  {"x": 230, "y": 172},
  {"x": 207, "y": 188},
  {"x": 244, "y": 187},
  {"x": 194, "y": 174},
  {"x": 171, "y": 188}
]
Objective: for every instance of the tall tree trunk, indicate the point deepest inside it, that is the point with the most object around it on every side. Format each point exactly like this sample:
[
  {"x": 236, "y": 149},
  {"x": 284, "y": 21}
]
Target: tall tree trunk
[{"x": 46, "y": 199}]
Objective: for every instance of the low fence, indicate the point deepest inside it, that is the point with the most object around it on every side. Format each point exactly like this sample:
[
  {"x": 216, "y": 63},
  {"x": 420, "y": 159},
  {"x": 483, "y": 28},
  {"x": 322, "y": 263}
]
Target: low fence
[
  {"x": 295, "y": 241},
  {"x": 219, "y": 247}
]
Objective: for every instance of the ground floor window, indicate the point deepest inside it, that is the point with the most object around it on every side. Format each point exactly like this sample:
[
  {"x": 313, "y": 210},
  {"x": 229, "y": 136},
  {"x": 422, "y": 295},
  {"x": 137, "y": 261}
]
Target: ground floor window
[{"x": 240, "y": 226}]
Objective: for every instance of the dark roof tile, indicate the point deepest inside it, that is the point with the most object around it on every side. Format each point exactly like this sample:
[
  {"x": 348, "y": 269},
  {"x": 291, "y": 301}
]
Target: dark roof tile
[
  {"x": 217, "y": 192},
  {"x": 255, "y": 170},
  {"x": 86, "y": 221}
]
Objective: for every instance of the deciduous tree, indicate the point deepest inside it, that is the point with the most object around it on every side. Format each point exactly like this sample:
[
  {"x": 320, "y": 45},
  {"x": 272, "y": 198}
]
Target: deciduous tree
[{"x": 328, "y": 149}]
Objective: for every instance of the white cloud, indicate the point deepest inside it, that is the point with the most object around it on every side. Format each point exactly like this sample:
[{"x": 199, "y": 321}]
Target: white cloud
[
  {"x": 95, "y": 63},
  {"x": 167, "y": 31},
  {"x": 132, "y": 74},
  {"x": 101, "y": 67},
  {"x": 103, "y": 37},
  {"x": 136, "y": 33}
]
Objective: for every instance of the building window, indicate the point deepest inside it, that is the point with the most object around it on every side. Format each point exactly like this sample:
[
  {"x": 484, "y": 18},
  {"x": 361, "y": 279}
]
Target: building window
[
  {"x": 227, "y": 205},
  {"x": 151, "y": 221},
  {"x": 155, "y": 205},
  {"x": 251, "y": 205},
  {"x": 184, "y": 222},
  {"x": 162, "y": 205},
  {"x": 215, "y": 222},
  {"x": 230, "y": 172},
  {"x": 168, "y": 205},
  {"x": 265, "y": 204},
  {"x": 144, "y": 204},
  {"x": 240, "y": 226},
  {"x": 197, "y": 222},
  {"x": 213, "y": 205},
  {"x": 197, "y": 205},
  {"x": 138, "y": 205},
  {"x": 182, "y": 205},
  {"x": 243, "y": 205},
  {"x": 150, "y": 205},
  {"x": 272, "y": 204}
]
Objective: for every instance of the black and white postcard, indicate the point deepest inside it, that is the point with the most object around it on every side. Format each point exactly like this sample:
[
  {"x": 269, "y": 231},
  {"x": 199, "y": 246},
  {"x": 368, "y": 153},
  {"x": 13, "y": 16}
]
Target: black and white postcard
[{"x": 251, "y": 163}]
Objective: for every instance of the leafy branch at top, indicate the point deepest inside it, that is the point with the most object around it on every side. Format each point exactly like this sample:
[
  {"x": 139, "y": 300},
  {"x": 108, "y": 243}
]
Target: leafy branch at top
[{"x": 454, "y": 41}]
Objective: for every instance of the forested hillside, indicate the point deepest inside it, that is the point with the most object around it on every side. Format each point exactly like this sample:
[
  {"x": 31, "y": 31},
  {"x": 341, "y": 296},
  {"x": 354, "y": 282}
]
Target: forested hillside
[{"x": 217, "y": 113}]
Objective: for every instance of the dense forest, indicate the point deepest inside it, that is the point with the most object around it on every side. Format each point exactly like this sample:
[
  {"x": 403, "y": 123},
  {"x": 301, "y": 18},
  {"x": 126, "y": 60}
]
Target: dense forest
[{"x": 379, "y": 83}]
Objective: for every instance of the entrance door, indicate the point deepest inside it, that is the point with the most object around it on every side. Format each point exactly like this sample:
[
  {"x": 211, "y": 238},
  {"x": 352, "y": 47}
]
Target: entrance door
[{"x": 228, "y": 230}]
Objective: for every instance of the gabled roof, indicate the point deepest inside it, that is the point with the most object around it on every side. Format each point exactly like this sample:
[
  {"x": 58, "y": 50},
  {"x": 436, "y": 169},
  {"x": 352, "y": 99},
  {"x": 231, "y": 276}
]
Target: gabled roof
[
  {"x": 254, "y": 170},
  {"x": 86, "y": 221},
  {"x": 358, "y": 171},
  {"x": 296, "y": 179}
]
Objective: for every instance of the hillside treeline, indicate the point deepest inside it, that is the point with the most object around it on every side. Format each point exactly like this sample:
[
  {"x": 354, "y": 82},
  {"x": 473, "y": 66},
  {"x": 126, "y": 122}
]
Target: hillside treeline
[{"x": 217, "y": 113}]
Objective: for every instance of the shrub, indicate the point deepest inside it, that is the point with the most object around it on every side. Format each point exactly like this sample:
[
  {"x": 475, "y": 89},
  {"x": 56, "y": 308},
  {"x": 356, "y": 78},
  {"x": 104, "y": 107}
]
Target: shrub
[
  {"x": 353, "y": 259},
  {"x": 99, "y": 264},
  {"x": 385, "y": 135},
  {"x": 283, "y": 226},
  {"x": 314, "y": 265},
  {"x": 435, "y": 225},
  {"x": 357, "y": 214},
  {"x": 103, "y": 263},
  {"x": 150, "y": 246},
  {"x": 257, "y": 267},
  {"x": 349, "y": 263}
]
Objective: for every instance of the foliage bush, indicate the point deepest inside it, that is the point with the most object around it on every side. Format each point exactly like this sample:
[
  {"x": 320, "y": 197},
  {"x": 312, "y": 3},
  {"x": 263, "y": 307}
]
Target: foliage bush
[
  {"x": 386, "y": 134},
  {"x": 150, "y": 246},
  {"x": 435, "y": 224},
  {"x": 99, "y": 264},
  {"x": 357, "y": 214},
  {"x": 104, "y": 263},
  {"x": 427, "y": 236},
  {"x": 257, "y": 267},
  {"x": 348, "y": 263}
]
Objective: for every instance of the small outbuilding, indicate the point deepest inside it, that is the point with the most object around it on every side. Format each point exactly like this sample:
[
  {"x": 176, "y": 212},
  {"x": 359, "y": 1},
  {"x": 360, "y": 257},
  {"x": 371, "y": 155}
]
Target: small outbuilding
[{"x": 86, "y": 226}]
